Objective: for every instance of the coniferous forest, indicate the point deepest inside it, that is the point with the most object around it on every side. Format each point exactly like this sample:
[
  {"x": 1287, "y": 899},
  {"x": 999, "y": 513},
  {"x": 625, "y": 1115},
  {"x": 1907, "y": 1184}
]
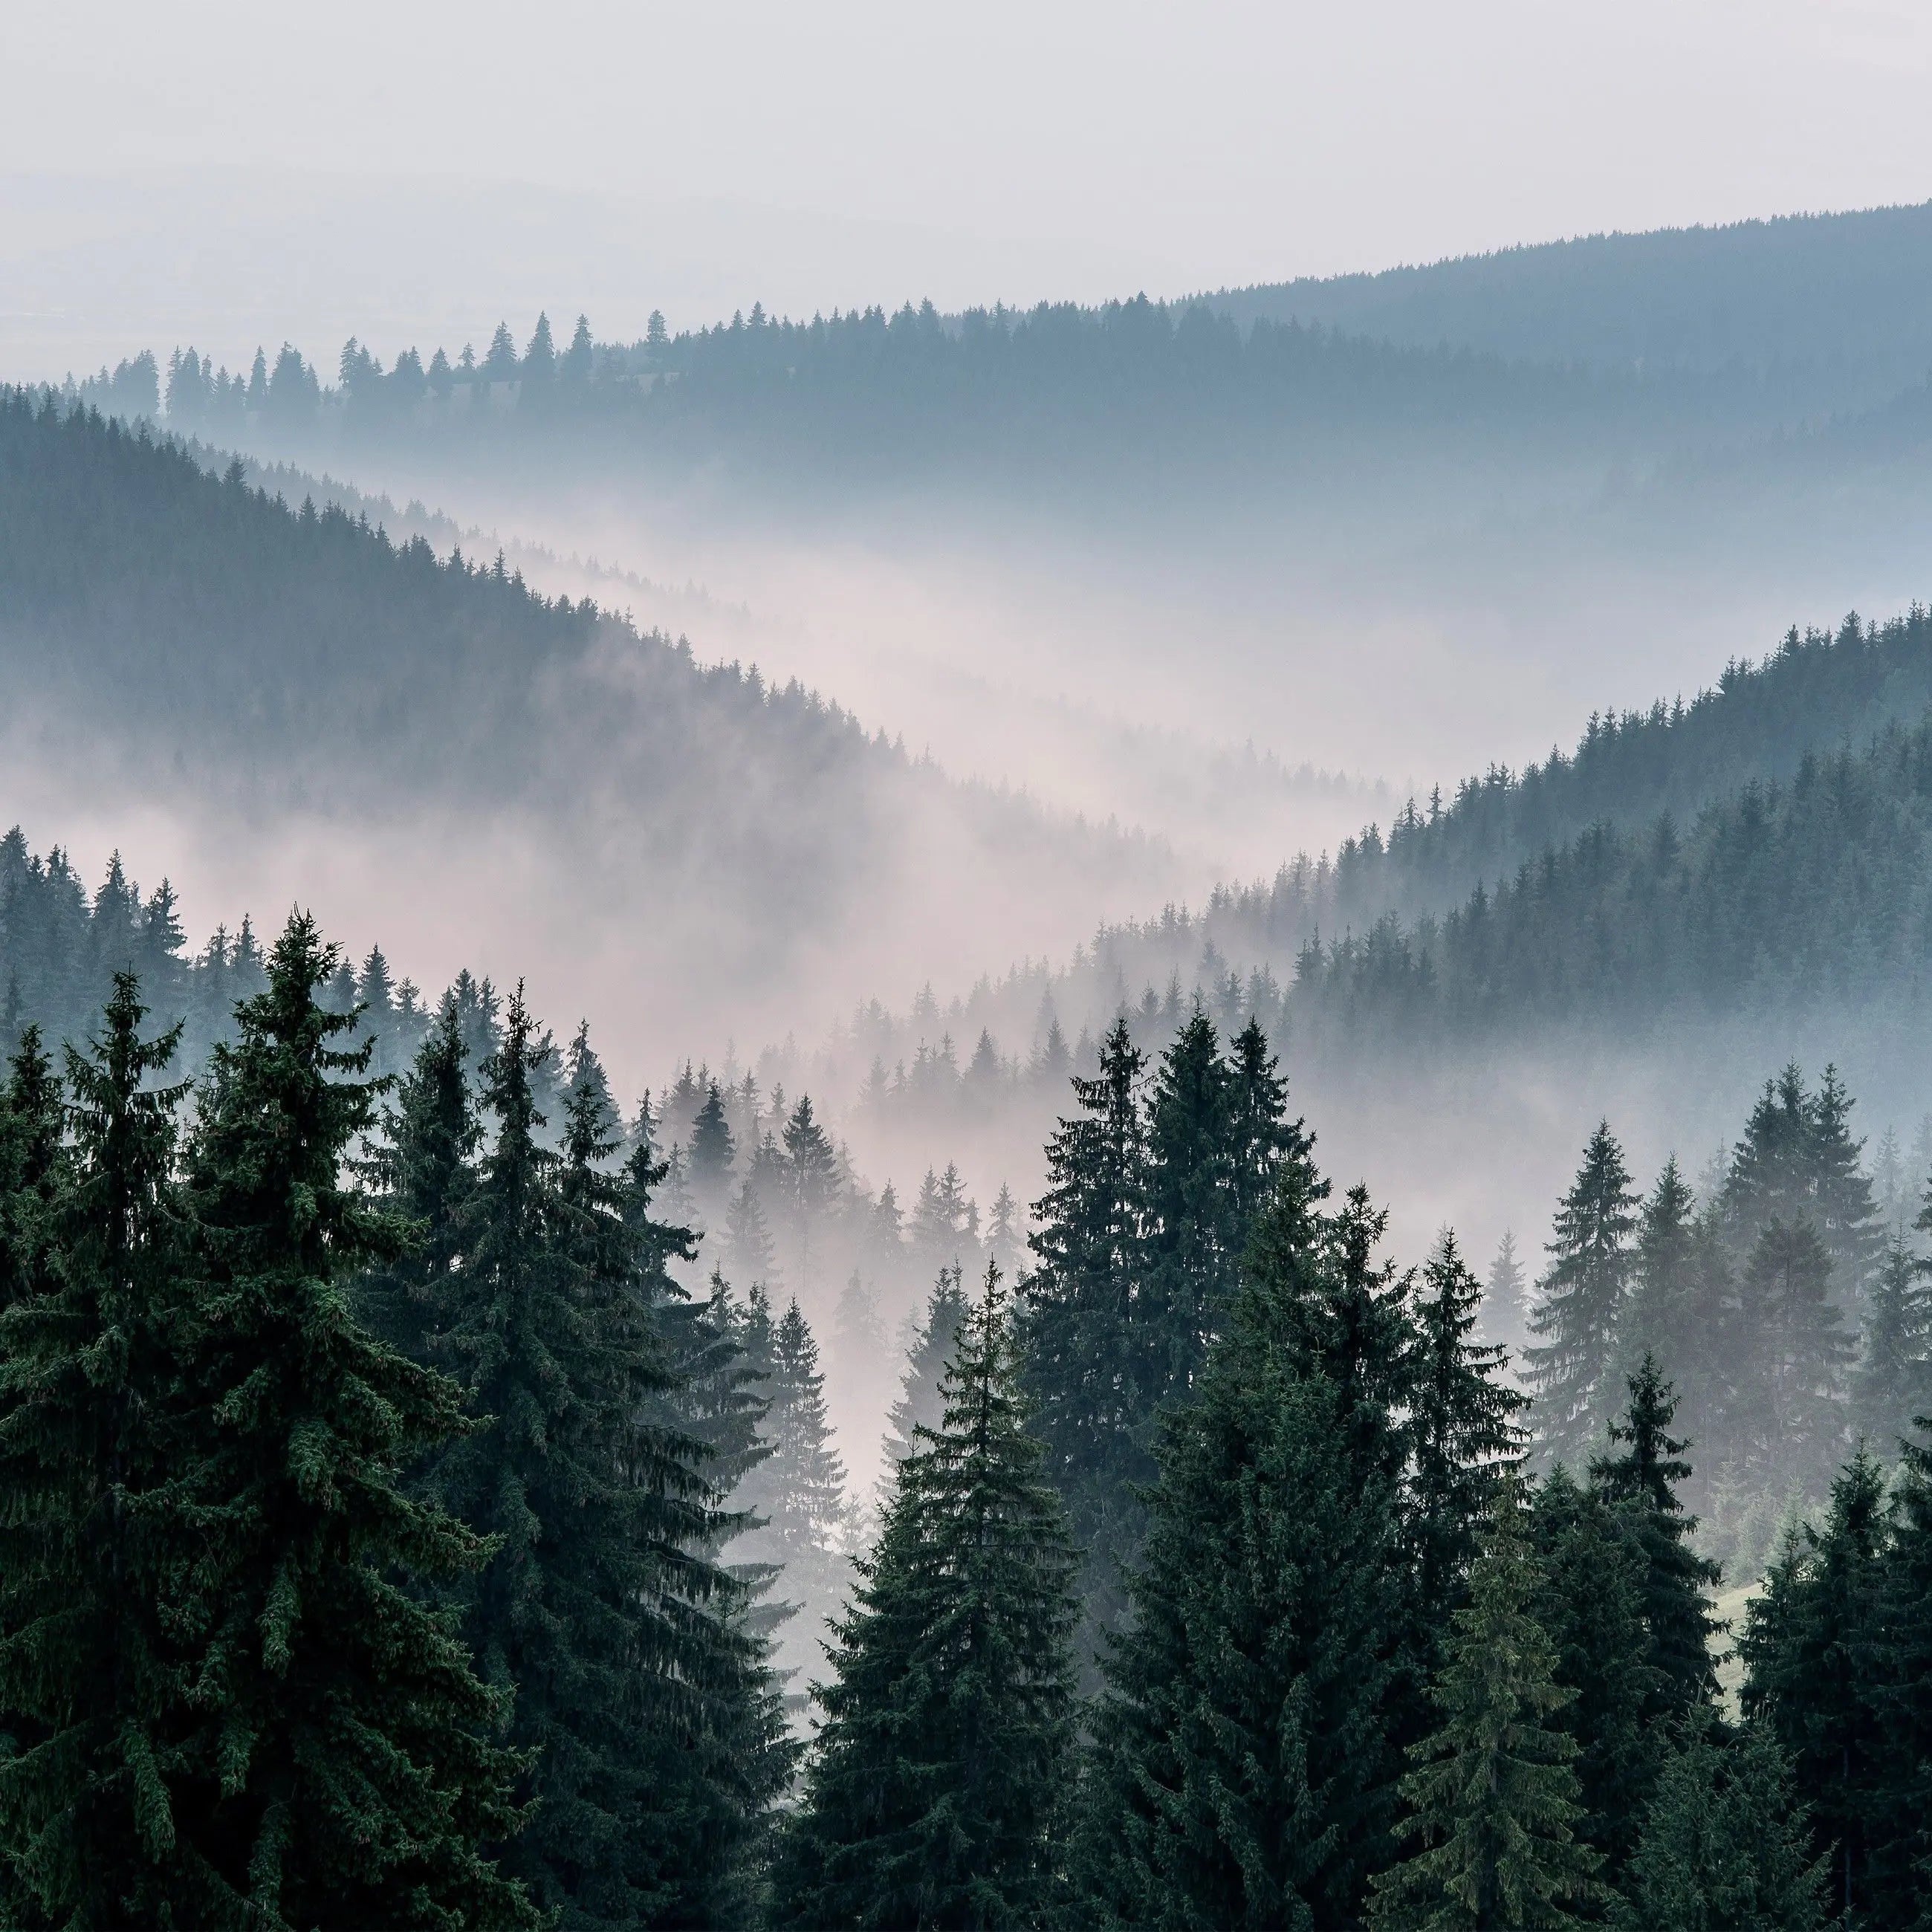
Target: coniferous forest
[{"x": 1060, "y": 1061}]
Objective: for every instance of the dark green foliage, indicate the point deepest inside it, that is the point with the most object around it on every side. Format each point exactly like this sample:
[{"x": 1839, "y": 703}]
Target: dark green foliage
[
  {"x": 90, "y": 1682},
  {"x": 1083, "y": 1372},
  {"x": 1726, "y": 1847},
  {"x": 1492, "y": 1799},
  {"x": 1463, "y": 1429},
  {"x": 1193, "y": 1234},
  {"x": 333, "y": 1767},
  {"x": 1594, "y": 1577},
  {"x": 932, "y": 1792},
  {"x": 607, "y": 1632},
  {"x": 1809, "y": 1647},
  {"x": 31, "y": 1162},
  {"x": 1580, "y": 1302},
  {"x": 1242, "y": 1774},
  {"x": 1642, "y": 1474},
  {"x": 1898, "y": 1670},
  {"x": 424, "y": 1170}
]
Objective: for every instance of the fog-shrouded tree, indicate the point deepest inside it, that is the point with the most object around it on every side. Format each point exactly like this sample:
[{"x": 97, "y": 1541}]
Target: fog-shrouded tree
[
  {"x": 1505, "y": 1309},
  {"x": 932, "y": 1342},
  {"x": 797, "y": 1496},
  {"x": 1579, "y": 1303},
  {"x": 936, "y": 1779}
]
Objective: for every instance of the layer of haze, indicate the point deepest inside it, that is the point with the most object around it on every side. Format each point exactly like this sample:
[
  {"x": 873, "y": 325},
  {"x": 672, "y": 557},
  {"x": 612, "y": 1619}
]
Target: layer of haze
[{"x": 271, "y": 169}]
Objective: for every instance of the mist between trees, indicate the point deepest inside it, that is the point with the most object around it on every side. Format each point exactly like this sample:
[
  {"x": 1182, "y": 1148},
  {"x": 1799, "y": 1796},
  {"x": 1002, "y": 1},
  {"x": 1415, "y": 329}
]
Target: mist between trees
[{"x": 420, "y": 1517}]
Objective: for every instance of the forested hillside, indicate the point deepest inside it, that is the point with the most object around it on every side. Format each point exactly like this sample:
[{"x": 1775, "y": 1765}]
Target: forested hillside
[
  {"x": 226, "y": 653},
  {"x": 1831, "y": 307}
]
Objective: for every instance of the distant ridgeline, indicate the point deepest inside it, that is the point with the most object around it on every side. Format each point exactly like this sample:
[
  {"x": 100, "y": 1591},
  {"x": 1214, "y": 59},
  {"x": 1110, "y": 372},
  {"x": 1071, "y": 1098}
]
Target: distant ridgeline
[
  {"x": 1184, "y": 393},
  {"x": 1766, "y": 847}
]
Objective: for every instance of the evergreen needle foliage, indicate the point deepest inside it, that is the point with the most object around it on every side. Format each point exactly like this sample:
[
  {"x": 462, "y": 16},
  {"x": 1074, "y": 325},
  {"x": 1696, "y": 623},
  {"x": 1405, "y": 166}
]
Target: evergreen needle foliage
[
  {"x": 931, "y": 1796},
  {"x": 1493, "y": 1795}
]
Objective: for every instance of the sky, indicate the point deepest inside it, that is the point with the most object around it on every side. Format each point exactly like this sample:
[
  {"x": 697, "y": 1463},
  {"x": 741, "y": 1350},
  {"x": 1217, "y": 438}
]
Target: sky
[{"x": 248, "y": 172}]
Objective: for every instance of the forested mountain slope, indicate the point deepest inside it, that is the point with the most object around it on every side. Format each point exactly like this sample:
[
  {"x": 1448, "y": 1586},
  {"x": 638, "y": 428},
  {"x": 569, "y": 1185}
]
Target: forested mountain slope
[
  {"x": 1843, "y": 300},
  {"x": 182, "y": 639}
]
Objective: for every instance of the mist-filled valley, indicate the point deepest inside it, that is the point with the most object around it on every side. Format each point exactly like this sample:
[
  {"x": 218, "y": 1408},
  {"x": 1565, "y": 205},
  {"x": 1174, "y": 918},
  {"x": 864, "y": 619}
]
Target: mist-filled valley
[{"x": 1100, "y": 1114}]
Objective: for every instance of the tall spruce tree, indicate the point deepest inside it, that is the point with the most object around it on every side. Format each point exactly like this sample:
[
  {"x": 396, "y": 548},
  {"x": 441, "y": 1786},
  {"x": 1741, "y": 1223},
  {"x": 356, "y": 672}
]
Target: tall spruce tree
[
  {"x": 1811, "y": 1648},
  {"x": 1192, "y": 1238},
  {"x": 1725, "y": 1844},
  {"x": 1580, "y": 1303},
  {"x": 1242, "y": 1772},
  {"x": 31, "y": 1162},
  {"x": 424, "y": 1169},
  {"x": 797, "y": 1493},
  {"x": 1643, "y": 1473},
  {"x": 1084, "y": 1374},
  {"x": 1590, "y": 1602},
  {"x": 606, "y": 1627},
  {"x": 1464, "y": 1432},
  {"x": 1493, "y": 1799},
  {"x": 90, "y": 1684},
  {"x": 932, "y": 1791},
  {"x": 1261, "y": 1136},
  {"x": 337, "y": 1770},
  {"x": 1666, "y": 1318},
  {"x": 933, "y": 1341}
]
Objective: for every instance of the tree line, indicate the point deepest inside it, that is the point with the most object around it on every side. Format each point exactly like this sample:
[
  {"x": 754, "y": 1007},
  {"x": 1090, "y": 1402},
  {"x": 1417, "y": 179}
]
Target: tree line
[{"x": 374, "y": 1485}]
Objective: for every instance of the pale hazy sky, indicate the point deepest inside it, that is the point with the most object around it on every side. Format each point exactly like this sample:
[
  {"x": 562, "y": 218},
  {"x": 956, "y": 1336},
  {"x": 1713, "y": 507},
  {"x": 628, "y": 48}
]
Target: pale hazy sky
[{"x": 861, "y": 150}]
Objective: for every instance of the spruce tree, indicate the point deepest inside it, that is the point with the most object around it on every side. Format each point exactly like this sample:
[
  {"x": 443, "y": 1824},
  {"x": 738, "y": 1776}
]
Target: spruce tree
[
  {"x": 337, "y": 1770},
  {"x": 1242, "y": 1772},
  {"x": 933, "y": 1789},
  {"x": 1084, "y": 1376},
  {"x": 1812, "y": 1650},
  {"x": 1580, "y": 1303},
  {"x": 1665, "y": 1318},
  {"x": 1192, "y": 1238},
  {"x": 1493, "y": 1799},
  {"x": 424, "y": 1169},
  {"x": 934, "y": 1342},
  {"x": 600, "y": 1618},
  {"x": 797, "y": 1494},
  {"x": 91, "y": 1691},
  {"x": 1898, "y": 1669},
  {"x": 31, "y": 1162},
  {"x": 1465, "y": 1436},
  {"x": 1591, "y": 1603},
  {"x": 1893, "y": 1383},
  {"x": 1643, "y": 1472},
  {"x": 1725, "y": 1843},
  {"x": 1505, "y": 1311},
  {"x": 1261, "y": 1136},
  {"x": 1794, "y": 1358}
]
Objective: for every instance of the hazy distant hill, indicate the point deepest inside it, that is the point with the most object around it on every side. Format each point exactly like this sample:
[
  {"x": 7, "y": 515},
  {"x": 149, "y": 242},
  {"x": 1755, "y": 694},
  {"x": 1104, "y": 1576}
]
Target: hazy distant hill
[
  {"x": 183, "y": 642},
  {"x": 1845, "y": 298}
]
